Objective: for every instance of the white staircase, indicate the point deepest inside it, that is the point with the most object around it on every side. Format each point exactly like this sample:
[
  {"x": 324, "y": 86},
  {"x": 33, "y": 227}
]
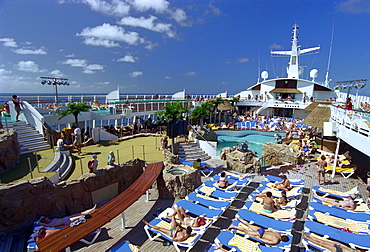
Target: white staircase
[
  {"x": 28, "y": 137},
  {"x": 191, "y": 152}
]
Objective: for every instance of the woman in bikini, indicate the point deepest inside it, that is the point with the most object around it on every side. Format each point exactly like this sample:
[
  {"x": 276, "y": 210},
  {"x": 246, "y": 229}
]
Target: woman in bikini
[
  {"x": 58, "y": 222},
  {"x": 347, "y": 203},
  {"x": 268, "y": 203},
  {"x": 282, "y": 201},
  {"x": 223, "y": 182},
  {"x": 184, "y": 219},
  {"x": 284, "y": 184}
]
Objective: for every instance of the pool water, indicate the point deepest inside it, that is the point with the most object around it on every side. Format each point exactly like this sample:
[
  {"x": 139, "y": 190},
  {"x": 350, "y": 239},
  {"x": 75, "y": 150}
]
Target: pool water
[{"x": 256, "y": 139}]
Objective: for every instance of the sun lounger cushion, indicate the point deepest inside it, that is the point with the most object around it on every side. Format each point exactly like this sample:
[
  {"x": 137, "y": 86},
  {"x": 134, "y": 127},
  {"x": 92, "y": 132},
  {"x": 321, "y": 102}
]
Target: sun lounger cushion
[
  {"x": 337, "y": 222},
  {"x": 264, "y": 221},
  {"x": 125, "y": 246},
  {"x": 338, "y": 194},
  {"x": 360, "y": 240},
  {"x": 215, "y": 193},
  {"x": 274, "y": 179},
  {"x": 340, "y": 212},
  {"x": 208, "y": 201},
  {"x": 199, "y": 209},
  {"x": 212, "y": 183},
  {"x": 279, "y": 214}
]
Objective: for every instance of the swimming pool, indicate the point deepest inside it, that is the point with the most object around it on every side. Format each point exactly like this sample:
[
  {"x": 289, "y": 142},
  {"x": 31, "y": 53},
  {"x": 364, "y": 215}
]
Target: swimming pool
[{"x": 255, "y": 138}]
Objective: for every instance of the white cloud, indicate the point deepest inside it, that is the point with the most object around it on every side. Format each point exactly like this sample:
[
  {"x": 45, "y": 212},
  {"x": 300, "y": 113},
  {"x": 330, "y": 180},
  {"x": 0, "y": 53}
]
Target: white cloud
[
  {"x": 113, "y": 8},
  {"x": 145, "y": 5},
  {"x": 148, "y": 23},
  {"x": 167, "y": 77},
  {"x": 30, "y": 51},
  {"x": 150, "y": 45},
  {"x": 76, "y": 62},
  {"x": 354, "y": 6},
  {"x": 28, "y": 66},
  {"x": 94, "y": 67},
  {"x": 8, "y": 42},
  {"x": 72, "y": 55},
  {"x": 243, "y": 60},
  {"x": 56, "y": 73},
  {"x": 106, "y": 34},
  {"x": 135, "y": 74},
  {"x": 4, "y": 72},
  {"x": 128, "y": 58},
  {"x": 179, "y": 16},
  {"x": 103, "y": 83},
  {"x": 190, "y": 74},
  {"x": 276, "y": 46}
]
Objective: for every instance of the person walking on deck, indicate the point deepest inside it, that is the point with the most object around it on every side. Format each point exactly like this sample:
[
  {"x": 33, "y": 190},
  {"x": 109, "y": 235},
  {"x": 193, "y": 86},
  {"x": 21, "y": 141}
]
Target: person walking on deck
[
  {"x": 17, "y": 107},
  {"x": 77, "y": 142},
  {"x": 321, "y": 165}
]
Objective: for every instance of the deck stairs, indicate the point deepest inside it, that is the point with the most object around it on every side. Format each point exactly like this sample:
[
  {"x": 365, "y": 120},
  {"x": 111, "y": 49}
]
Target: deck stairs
[
  {"x": 28, "y": 137},
  {"x": 191, "y": 152}
]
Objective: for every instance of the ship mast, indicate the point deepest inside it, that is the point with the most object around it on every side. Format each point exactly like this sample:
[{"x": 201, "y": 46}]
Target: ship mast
[{"x": 293, "y": 70}]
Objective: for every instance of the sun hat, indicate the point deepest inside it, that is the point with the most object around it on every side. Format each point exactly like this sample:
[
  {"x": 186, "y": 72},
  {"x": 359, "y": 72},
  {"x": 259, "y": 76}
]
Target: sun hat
[{"x": 283, "y": 176}]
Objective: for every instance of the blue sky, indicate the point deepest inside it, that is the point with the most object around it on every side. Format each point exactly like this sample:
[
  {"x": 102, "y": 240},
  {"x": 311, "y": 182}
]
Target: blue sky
[{"x": 159, "y": 46}]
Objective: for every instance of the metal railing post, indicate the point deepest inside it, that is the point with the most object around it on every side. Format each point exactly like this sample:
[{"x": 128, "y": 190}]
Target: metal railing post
[
  {"x": 144, "y": 152},
  {"x": 30, "y": 167}
]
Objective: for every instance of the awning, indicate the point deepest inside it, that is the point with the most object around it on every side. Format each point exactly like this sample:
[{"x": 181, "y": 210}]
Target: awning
[{"x": 286, "y": 91}]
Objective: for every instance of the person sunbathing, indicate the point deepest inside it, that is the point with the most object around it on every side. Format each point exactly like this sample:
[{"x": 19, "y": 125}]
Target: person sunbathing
[
  {"x": 43, "y": 232},
  {"x": 223, "y": 182},
  {"x": 268, "y": 236},
  {"x": 267, "y": 201},
  {"x": 57, "y": 222},
  {"x": 347, "y": 203},
  {"x": 284, "y": 184},
  {"x": 329, "y": 245},
  {"x": 184, "y": 219},
  {"x": 197, "y": 165},
  {"x": 282, "y": 201},
  {"x": 176, "y": 232}
]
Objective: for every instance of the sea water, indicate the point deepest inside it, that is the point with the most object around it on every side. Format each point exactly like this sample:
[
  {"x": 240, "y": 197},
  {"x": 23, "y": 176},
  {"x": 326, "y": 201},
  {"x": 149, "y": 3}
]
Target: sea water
[{"x": 256, "y": 139}]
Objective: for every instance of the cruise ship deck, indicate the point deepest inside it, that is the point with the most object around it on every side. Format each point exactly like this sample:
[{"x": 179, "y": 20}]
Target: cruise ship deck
[{"x": 112, "y": 233}]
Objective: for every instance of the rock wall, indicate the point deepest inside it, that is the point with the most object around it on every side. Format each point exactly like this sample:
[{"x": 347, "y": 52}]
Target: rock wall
[
  {"x": 282, "y": 153},
  {"x": 243, "y": 162},
  {"x": 23, "y": 203},
  {"x": 10, "y": 150},
  {"x": 177, "y": 186}
]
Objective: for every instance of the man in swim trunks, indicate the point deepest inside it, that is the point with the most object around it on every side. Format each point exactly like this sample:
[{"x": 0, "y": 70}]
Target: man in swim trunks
[
  {"x": 329, "y": 245},
  {"x": 176, "y": 232},
  {"x": 320, "y": 165},
  {"x": 268, "y": 236},
  {"x": 284, "y": 184},
  {"x": 347, "y": 203}
]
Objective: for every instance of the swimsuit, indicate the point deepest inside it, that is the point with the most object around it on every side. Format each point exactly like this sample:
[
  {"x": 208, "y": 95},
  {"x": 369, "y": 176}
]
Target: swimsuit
[
  {"x": 172, "y": 230},
  {"x": 192, "y": 221},
  {"x": 261, "y": 231},
  {"x": 267, "y": 210},
  {"x": 338, "y": 202}
]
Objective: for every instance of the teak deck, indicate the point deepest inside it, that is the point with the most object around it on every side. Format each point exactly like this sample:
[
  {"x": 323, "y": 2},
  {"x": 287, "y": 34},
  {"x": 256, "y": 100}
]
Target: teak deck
[{"x": 70, "y": 235}]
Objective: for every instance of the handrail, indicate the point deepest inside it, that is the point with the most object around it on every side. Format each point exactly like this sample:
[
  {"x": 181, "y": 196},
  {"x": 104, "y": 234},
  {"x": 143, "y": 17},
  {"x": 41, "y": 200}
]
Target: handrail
[{"x": 196, "y": 131}]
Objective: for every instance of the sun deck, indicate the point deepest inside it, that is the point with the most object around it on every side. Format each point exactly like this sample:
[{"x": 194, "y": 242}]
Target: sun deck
[{"x": 113, "y": 234}]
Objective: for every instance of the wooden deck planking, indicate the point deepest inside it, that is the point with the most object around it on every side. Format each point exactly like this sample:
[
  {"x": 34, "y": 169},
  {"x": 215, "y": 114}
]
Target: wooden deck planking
[{"x": 134, "y": 232}]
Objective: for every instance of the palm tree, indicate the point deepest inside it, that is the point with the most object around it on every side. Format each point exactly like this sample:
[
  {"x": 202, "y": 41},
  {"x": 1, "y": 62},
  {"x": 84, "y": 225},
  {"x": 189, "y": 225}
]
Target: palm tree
[
  {"x": 172, "y": 111},
  {"x": 201, "y": 111},
  {"x": 215, "y": 103},
  {"x": 75, "y": 109}
]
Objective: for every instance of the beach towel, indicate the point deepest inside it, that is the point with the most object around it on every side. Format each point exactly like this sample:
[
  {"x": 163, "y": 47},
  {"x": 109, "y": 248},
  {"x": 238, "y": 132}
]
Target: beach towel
[
  {"x": 279, "y": 214},
  {"x": 244, "y": 244}
]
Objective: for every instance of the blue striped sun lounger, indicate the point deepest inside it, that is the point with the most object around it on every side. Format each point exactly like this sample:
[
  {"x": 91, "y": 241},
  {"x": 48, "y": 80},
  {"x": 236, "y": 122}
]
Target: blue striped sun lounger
[
  {"x": 232, "y": 180},
  {"x": 352, "y": 239},
  {"x": 340, "y": 212},
  {"x": 216, "y": 193},
  {"x": 339, "y": 222},
  {"x": 264, "y": 221},
  {"x": 230, "y": 188},
  {"x": 188, "y": 244},
  {"x": 240, "y": 243},
  {"x": 292, "y": 193},
  {"x": 334, "y": 193},
  {"x": 293, "y": 182},
  {"x": 280, "y": 245},
  {"x": 198, "y": 210},
  {"x": 125, "y": 246},
  {"x": 208, "y": 201}
]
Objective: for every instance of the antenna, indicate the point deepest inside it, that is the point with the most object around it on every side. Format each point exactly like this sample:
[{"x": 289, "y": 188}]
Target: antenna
[
  {"x": 327, "y": 81},
  {"x": 259, "y": 67}
]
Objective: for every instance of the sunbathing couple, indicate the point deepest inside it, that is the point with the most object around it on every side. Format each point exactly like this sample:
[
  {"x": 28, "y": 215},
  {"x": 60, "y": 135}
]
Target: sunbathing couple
[
  {"x": 347, "y": 203},
  {"x": 329, "y": 245},
  {"x": 177, "y": 232},
  {"x": 269, "y": 204},
  {"x": 268, "y": 236}
]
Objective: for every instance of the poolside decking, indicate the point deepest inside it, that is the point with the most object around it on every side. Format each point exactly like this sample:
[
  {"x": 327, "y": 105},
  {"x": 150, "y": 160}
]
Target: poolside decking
[{"x": 112, "y": 233}]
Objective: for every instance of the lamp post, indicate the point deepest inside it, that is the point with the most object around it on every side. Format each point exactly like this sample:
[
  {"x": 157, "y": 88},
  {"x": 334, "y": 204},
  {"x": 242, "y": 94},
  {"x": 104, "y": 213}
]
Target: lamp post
[{"x": 55, "y": 82}]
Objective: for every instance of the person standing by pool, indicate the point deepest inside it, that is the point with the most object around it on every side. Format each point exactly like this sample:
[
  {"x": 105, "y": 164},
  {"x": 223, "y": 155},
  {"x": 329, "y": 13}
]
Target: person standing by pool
[
  {"x": 321, "y": 165},
  {"x": 111, "y": 158},
  {"x": 17, "y": 106},
  {"x": 77, "y": 134},
  {"x": 164, "y": 142}
]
